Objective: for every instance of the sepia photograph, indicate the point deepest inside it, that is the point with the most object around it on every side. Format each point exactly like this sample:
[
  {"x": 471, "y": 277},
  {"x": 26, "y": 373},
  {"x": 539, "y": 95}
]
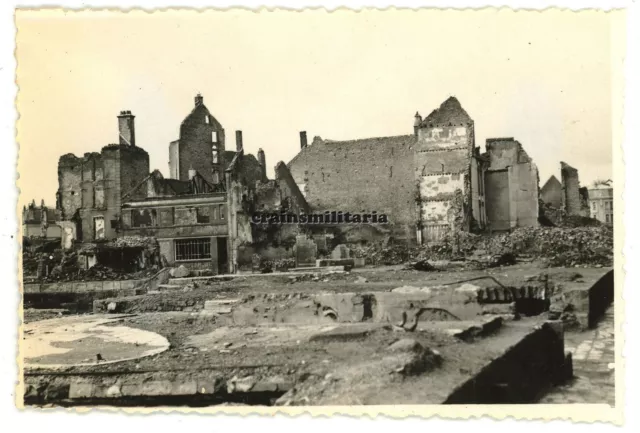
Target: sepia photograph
[{"x": 233, "y": 209}]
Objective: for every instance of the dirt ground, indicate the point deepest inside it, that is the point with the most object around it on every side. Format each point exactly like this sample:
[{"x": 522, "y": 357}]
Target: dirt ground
[
  {"x": 352, "y": 358},
  {"x": 383, "y": 279},
  {"x": 200, "y": 342}
]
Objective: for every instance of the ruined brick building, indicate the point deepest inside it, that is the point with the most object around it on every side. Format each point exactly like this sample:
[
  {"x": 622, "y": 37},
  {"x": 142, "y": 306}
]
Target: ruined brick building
[
  {"x": 430, "y": 183},
  {"x": 199, "y": 215}
]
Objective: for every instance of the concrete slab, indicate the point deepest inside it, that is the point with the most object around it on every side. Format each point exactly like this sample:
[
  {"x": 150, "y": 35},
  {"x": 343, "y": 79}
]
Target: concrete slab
[{"x": 78, "y": 340}]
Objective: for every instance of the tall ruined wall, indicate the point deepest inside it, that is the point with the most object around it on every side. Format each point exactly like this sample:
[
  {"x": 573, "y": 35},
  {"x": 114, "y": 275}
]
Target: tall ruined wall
[
  {"x": 570, "y": 189},
  {"x": 525, "y": 194},
  {"x": 443, "y": 173},
  {"x": 478, "y": 199},
  {"x": 69, "y": 195},
  {"x": 512, "y": 185},
  {"x": 200, "y": 134},
  {"x": 371, "y": 174}
]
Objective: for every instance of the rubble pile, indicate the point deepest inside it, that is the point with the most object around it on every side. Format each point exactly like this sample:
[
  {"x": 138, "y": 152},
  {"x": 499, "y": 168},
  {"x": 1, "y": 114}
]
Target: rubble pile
[
  {"x": 556, "y": 246},
  {"x": 36, "y": 250},
  {"x": 573, "y": 221},
  {"x": 265, "y": 266},
  {"x": 148, "y": 243},
  {"x": 378, "y": 254}
]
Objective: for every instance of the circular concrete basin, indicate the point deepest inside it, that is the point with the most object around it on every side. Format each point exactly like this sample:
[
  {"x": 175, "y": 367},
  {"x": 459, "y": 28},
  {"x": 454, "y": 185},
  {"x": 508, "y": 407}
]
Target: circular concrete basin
[{"x": 86, "y": 340}]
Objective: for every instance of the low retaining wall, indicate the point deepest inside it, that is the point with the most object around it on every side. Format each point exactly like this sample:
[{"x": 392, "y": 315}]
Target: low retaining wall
[
  {"x": 523, "y": 373},
  {"x": 81, "y": 286},
  {"x": 80, "y": 295}
]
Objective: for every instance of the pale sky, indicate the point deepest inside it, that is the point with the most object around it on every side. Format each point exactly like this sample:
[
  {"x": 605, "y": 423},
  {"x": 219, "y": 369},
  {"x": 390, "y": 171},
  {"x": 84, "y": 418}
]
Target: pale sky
[{"x": 541, "y": 77}]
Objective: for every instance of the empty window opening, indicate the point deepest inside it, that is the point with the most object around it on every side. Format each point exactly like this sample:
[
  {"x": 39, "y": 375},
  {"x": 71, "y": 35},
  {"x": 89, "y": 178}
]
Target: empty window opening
[
  {"x": 98, "y": 227},
  {"x": 214, "y": 136},
  {"x": 142, "y": 218},
  {"x": 206, "y": 119},
  {"x": 202, "y": 215},
  {"x": 192, "y": 249}
]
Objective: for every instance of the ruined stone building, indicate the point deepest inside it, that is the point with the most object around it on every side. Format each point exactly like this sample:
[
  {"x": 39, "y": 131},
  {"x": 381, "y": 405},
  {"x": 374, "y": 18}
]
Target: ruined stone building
[
  {"x": 199, "y": 216},
  {"x": 91, "y": 188},
  {"x": 429, "y": 183}
]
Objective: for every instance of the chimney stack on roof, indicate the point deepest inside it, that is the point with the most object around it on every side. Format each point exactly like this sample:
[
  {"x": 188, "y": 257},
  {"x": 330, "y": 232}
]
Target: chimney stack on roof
[
  {"x": 198, "y": 99},
  {"x": 416, "y": 123},
  {"x": 303, "y": 139},
  {"x": 126, "y": 128},
  {"x": 239, "y": 145}
]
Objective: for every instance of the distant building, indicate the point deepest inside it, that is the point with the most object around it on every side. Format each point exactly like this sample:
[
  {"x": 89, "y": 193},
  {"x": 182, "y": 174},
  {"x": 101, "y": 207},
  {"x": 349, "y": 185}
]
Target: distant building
[
  {"x": 40, "y": 221},
  {"x": 601, "y": 202}
]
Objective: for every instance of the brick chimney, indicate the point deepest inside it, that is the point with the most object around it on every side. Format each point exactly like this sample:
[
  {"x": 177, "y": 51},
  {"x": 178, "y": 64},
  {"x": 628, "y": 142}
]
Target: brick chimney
[
  {"x": 126, "y": 128},
  {"x": 239, "y": 146},
  {"x": 263, "y": 162},
  {"x": 199, "y": 99},
  {"x": 303, "y": 139}
]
